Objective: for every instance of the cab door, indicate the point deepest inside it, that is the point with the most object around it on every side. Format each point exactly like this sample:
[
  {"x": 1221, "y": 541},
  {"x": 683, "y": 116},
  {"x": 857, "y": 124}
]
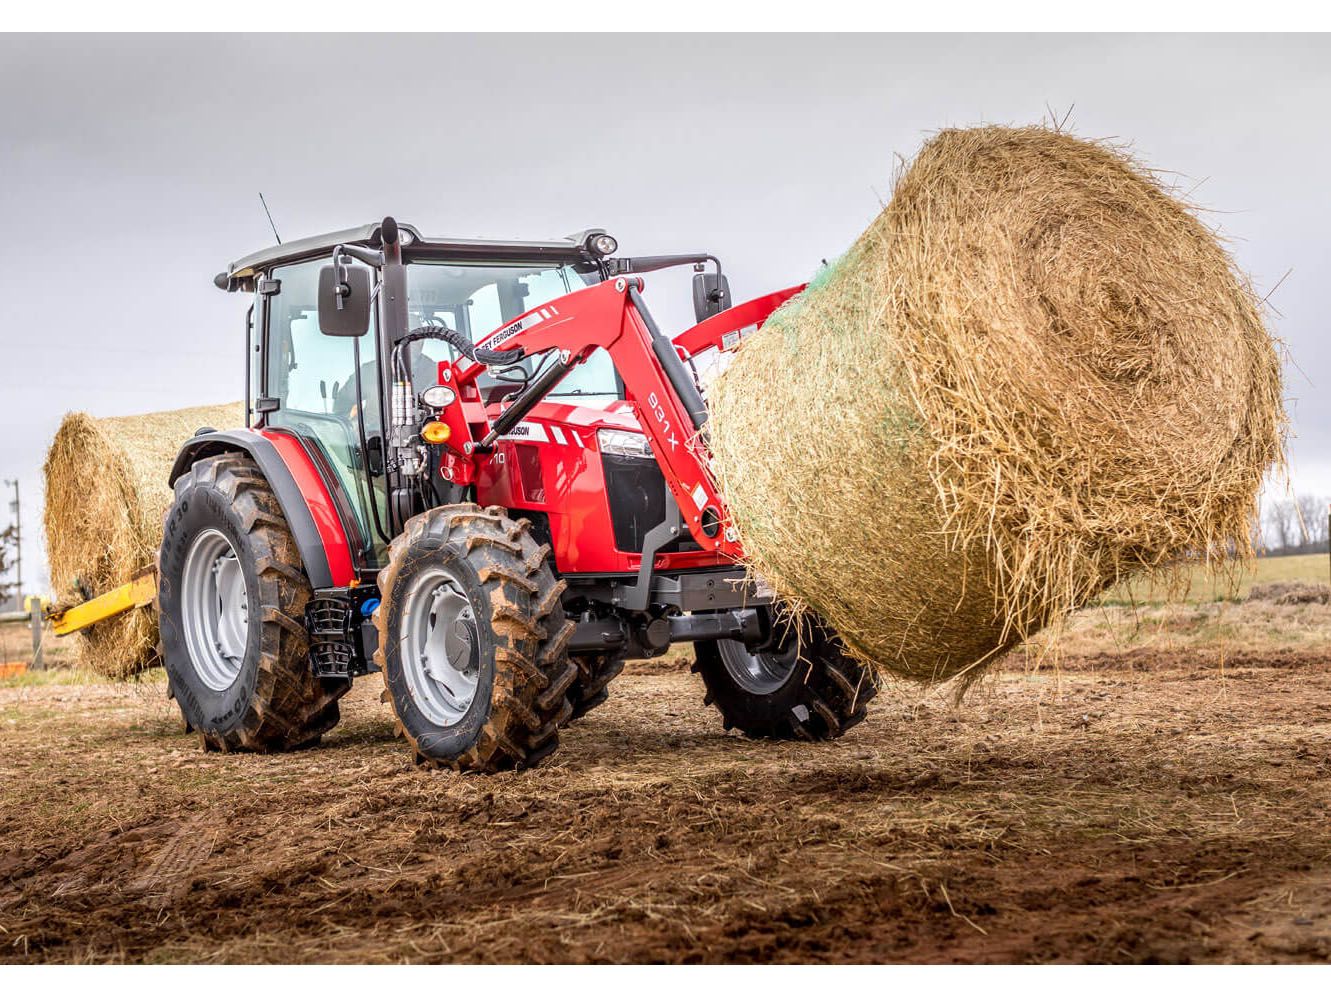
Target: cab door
[{"x": 311, "y": 389}]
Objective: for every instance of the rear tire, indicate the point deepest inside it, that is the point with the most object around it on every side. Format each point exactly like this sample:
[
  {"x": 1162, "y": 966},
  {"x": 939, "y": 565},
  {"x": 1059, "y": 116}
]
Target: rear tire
[
  {"x": 473, "y": 640},
  {"x": 231, "y": 608},
  {"x": 812, "y": 690}
]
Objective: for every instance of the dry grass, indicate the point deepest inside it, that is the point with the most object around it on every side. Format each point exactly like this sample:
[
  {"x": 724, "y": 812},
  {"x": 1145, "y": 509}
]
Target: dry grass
[
  {"x": 106, "y": 497},
  {"x": 1210, "y": 634},
  {"x": 16, "y": 646},
  {"x": 1035, "y": 375},
  {"x": 1201, "y": 585}
]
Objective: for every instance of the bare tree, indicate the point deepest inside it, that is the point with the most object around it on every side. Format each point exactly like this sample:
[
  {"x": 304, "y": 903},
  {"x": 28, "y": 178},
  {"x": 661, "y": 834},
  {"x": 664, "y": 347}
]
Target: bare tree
[
  {"x": 1312, "y": 516},
  {"x": 1281, "y": 518}
]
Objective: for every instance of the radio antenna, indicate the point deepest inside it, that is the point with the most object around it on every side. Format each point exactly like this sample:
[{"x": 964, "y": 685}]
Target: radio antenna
[{"x": 270, "y": 218}]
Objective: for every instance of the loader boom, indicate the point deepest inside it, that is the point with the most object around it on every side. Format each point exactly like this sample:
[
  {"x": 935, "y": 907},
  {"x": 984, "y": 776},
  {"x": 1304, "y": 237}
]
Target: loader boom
[{"x": 611, "y": 316}]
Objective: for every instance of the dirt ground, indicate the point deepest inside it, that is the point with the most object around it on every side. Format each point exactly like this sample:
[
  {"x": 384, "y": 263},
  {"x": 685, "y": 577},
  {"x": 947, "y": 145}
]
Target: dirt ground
[{"x": 1162, "y": 794}]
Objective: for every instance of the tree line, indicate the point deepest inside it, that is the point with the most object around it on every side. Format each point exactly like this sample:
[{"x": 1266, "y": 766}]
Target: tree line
[{"x": 1293, "y": 525}]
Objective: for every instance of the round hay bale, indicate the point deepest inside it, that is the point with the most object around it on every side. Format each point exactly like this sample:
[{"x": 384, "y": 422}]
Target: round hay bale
[
  {"x": 1034, "y": 375},
  {"x": 106, "y": 499}
]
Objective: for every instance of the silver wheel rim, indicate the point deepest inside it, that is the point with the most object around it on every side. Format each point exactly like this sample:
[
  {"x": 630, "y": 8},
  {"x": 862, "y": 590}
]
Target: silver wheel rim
[
  {"x": 215, "y": 609},
  {"x": 440, "y": 647},
  {"x": 762, "y": 673}
]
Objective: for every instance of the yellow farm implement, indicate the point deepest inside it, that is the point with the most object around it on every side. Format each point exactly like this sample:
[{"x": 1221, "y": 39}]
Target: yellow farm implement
[{"x": 139, "y": 591}]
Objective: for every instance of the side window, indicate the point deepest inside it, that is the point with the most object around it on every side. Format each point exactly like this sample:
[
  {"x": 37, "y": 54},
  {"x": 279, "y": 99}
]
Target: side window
[
  {"x": 483, "y": 307},
  {"x": 307, "y": 371},
  {"x": 545, "y": 286}
]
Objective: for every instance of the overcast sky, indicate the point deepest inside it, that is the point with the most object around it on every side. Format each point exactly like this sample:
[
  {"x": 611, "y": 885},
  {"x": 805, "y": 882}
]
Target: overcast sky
[{"x": 130, "y": 166}]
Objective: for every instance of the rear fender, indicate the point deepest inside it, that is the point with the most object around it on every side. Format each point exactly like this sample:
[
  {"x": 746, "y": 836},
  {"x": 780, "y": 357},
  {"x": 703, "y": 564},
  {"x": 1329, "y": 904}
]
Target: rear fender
[{"x": 301, "y": 492}]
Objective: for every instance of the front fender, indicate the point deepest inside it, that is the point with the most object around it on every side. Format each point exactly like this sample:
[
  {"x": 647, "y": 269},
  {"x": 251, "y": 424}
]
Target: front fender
[{"x": 300, "y": 490}]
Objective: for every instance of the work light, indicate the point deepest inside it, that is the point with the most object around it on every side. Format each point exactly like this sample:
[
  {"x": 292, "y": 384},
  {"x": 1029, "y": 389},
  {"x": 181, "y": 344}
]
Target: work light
[
  {"x": 438, "y": 396},
  {"x": 602, "y": 244}
]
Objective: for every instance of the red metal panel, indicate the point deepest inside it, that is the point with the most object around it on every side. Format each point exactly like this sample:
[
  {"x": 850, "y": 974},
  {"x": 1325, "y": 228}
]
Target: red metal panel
[
  {"x": 708, "y": 333},
  {"x": 320, "y": 502},
  {"x": 575, "y": 500}
]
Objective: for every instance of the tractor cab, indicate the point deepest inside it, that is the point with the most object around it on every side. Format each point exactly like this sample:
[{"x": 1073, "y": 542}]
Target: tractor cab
[{"x": 330, "y": 390}]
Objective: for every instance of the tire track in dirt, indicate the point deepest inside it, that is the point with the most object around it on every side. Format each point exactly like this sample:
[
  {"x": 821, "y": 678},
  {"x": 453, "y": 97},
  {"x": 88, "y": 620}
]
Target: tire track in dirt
[{"x": 169, "y": 874}]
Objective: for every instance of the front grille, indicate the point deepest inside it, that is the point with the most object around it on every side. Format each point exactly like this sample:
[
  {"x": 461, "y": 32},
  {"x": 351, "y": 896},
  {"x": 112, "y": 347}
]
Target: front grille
[{"x": 636, "y": 490}]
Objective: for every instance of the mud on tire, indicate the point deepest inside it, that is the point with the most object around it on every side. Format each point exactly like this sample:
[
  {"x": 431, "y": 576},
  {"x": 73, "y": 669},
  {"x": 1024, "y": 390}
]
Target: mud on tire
[
  {"x": 263, "y": 697},
  {"x": 500, "y": 694},
  {"x": 823, "y": 694}
]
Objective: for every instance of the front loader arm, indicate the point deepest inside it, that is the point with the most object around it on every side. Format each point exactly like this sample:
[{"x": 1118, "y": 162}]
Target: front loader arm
[
  {"x": 608, "y": 316},
  {"x": 724, "y": 330}
]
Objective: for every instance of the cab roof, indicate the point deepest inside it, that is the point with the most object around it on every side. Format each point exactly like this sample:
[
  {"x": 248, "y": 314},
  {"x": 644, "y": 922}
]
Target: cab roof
[{"x": 569, "y": 248}]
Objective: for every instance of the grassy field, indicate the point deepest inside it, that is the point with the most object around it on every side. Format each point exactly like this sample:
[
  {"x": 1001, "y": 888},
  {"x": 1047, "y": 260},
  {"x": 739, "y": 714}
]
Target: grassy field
[
  {"x": 16, "y": 647},
  {"x": 1201, "y": 585}
]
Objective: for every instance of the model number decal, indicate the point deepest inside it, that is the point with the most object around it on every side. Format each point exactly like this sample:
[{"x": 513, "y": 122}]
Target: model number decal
[{"x": 659, "y": 412}]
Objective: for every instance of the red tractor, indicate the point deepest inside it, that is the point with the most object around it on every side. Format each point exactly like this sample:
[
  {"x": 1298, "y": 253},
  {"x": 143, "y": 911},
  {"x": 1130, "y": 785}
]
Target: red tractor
[{"x": 480, "y": 469}]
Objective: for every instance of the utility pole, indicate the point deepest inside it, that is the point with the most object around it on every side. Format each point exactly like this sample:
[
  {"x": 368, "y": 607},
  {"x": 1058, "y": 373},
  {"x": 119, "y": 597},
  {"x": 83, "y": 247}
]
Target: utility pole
[{"x": 18, "y": 543}]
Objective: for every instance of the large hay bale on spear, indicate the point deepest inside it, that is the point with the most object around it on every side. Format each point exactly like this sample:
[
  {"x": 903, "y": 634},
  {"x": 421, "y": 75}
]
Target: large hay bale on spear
[
  {"x": 106, "y": 500},
  {"x": 1036, "y": 374}
]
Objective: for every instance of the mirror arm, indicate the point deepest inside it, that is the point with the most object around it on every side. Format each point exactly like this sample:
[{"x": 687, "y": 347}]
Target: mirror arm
[
  {"x": 340, "y": 252},
  {"x": 644, "y": 264},
  {"x": 364, "y": 254},
  {"x": 340, "y": 290}
]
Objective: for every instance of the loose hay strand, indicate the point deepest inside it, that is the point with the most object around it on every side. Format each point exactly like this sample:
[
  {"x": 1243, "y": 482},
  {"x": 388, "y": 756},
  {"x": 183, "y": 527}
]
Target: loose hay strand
[
  {"x": 1035, "y": 375},
  {"x": 106, "y": 498}
]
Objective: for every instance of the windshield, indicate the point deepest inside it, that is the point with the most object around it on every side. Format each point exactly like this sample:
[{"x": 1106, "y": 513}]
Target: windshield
[{"x": 477, "y": 299}]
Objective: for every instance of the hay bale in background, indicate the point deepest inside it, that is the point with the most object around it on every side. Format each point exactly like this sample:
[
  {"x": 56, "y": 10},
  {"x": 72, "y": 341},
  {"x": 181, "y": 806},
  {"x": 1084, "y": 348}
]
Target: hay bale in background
[
  {"x": 106, "y": 498},
  {"x": 1034, "y": 375}
]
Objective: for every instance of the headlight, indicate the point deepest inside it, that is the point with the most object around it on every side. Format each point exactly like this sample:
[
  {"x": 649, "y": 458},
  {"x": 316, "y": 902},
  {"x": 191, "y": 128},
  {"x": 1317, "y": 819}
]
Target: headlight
[
  {"x": 438, "y": 396},
  {"x": 623, "y": 443},
  {"x": 602, "y": 244}
]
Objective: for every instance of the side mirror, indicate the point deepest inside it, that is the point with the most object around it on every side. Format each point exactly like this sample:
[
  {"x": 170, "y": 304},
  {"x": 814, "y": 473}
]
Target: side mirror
[
  {"x": 344, "y": 299},
  {"x": 711, "y": 294}
]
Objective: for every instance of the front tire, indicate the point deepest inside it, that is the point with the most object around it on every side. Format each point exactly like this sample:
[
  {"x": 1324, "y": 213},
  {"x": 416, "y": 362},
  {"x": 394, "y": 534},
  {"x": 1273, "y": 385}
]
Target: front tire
[
  {"x": 473, "y": 640},
  {"x": 231, "y": 607},
  {"x": 810, "y": 689}
]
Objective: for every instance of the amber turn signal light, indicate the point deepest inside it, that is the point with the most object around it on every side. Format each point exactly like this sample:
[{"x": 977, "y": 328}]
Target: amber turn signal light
[{"x": 435, "y": 432}]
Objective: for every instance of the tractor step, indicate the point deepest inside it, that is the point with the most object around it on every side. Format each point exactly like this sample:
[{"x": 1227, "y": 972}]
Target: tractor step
[{"x": 343, "y": 638}]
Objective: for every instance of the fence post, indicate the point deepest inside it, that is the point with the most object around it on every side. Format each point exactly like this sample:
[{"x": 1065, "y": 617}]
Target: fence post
[{"x": 35, "y": 608}]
